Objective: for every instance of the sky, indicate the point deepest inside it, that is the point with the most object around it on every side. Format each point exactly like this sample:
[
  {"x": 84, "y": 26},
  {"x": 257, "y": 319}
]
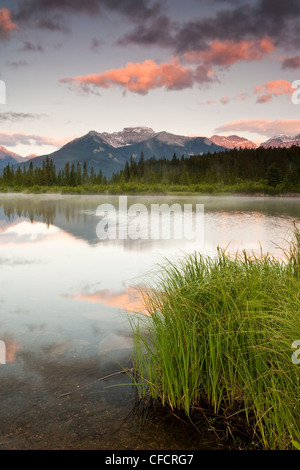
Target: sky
[{"x": 188, "y": 67}]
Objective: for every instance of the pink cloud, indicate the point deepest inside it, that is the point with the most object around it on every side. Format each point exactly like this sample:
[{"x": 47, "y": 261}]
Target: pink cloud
[
  {"x": 225, "y": 100},
  {"x": 6, "y": 25},
  {"x": 226, "y": 53},
  {"x": 273, "y": 88},
  {"x": 140, "y": 77},
  {"x": 241, "y": 96},
  {"x": 264, "y": 127},
  {"x": 264, "y": 99}
]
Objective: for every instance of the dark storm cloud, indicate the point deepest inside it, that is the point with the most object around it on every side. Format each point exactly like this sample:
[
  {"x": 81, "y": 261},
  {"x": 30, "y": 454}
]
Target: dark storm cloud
[
  {"x": 158, "y": 31},
  {"x": 30, "y": 47},
  {"x": 221, "y": 1},
  {"x": 291, "y": 63},
  {"x": 278, "y": 9},
  {"x": 227, "y": 24},
  {"x": 39, "y": 10},
  {"x": 55, "y": 23},
  {"x": 235, "y": 20},
  {"x": 274, "y": 18},
  {"x": 136, "y": 11}
]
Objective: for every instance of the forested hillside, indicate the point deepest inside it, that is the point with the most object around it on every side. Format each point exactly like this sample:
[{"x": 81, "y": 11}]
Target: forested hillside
[{"x": 262, "y": 167}]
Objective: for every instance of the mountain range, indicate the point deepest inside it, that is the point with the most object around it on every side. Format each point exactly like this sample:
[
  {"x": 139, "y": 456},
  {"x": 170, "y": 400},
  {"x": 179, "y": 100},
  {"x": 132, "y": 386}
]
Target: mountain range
[
  {"x": 109, "y": 152},
  {"x": 11, "y": 158},
  {"x": 282, "y": 141},
  {"x": 7, "y": 157}
]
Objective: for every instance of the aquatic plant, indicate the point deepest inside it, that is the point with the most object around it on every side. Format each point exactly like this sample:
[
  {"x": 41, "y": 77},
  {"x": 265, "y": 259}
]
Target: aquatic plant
[{"x": 218, "y": 339}]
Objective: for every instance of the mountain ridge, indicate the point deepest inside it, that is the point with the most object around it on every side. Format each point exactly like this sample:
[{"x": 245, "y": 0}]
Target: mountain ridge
[
  {"x": 282, "y": 141},
  {"x": 96, "y": 151},
  {"x": 8, "y": 157},
  {"x": 233, "y": 141},
  {"x": 109, "y": 152}
]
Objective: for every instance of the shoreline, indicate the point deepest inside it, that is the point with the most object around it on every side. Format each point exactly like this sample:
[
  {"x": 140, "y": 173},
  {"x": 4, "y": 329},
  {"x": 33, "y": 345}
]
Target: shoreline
[{"x": 154, "y": 193}]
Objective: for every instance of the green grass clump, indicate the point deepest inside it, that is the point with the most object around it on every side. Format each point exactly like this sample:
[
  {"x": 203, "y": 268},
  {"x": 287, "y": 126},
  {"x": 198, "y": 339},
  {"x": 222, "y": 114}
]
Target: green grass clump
[{"x": 219, "y": 338}]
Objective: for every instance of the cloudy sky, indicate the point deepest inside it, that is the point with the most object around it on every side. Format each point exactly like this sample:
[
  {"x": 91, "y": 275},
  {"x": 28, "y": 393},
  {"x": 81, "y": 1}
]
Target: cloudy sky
[{"x": 190, "y": 67}]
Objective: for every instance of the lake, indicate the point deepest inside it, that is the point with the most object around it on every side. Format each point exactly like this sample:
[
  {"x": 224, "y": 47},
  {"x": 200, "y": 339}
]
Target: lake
[{"x": 65, "y": 299}]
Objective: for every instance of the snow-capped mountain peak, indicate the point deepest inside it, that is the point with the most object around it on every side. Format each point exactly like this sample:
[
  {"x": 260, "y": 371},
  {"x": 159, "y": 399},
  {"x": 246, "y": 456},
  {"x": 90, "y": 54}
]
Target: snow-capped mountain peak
[
  {"x": 282, "y": 141},
  {"x": 129, "y": 136}
]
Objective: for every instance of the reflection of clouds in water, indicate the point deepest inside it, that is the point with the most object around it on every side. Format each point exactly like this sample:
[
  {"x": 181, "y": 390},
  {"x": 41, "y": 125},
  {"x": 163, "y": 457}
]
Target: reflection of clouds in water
[
  {"x": 19, "y": 311},
  {"x": 6, "y": 223},
  {"x": 114, "y": 342},
  {"x": 11, "y": 351},
  {"x": 253, "y": 231},
  {"x": 130, "y": 298},
  {"x": 60, "y": 372},
  {"x": 70, "y": 217},
  {"x": 17, "y": 261},
  {"x": 27, "y": 232},
  {"x": 11, "y": 346},
  {"x": 82, "y": 337},
  {"x": 73, "y": 348},
  {"x": 146, "y": 245},
  {"x": 239, "y": 221}
]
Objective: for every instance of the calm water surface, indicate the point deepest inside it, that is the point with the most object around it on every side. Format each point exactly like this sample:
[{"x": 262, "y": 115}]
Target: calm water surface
[{"x": 63, "y": 300}]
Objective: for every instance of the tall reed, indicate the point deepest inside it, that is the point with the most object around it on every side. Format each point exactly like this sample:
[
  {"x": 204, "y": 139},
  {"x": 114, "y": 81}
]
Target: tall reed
[{"x": 219, "y": 338}]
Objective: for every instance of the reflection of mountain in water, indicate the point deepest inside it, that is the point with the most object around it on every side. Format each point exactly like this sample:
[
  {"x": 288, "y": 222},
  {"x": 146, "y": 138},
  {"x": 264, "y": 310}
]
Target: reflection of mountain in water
[
  {"x": 76, "y": 215},
  {"x": 64, "y": 213}
]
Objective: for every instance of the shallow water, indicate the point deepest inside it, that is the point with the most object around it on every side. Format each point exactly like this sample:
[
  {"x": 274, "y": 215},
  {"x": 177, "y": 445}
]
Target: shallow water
[{"x": 63, "y": 319}]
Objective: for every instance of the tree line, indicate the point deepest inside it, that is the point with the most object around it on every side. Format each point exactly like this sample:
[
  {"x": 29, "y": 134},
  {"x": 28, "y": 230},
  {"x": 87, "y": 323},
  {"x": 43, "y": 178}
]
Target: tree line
[
  {"x": 47, "y": 175},
  {"x": 272, "y": 167}
]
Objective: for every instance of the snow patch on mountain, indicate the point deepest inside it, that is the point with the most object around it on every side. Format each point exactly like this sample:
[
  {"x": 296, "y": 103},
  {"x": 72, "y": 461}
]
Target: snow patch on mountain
[
  {"x": 282, "y": 141},
  {"x": 128, "y": 136}
]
